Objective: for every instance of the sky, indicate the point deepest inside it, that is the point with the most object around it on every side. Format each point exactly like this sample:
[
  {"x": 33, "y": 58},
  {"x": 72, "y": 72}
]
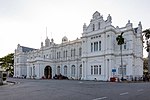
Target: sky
[{"x": 24, "y": 22}]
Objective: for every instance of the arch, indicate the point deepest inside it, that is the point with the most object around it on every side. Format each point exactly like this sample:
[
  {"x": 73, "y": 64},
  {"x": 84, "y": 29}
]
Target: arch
[
  {"x": 65, "y": 70},
  {"x": 48, "y": 72},
  {"x": 80, "y": 71},
  {"x": 73, "y": 70},
  {"x": 58, "y": 70}
]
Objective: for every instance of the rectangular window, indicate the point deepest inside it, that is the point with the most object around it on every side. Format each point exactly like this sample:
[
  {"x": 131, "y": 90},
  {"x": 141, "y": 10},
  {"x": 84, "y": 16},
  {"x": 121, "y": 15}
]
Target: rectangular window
[
  {"x": 125, "y": 46},
  {"x": 64, "y": 54},
  {"x": 93, "y": 27},
  {"x": 47, "y": 56},
  {"x": 99, "y": 45},
  {"x": 80, "y": 70},
  {"x": 124, "y": 70},
  {"x": 80, "y": 51},
  {"x": 59, "y": 54},
  {"x": 99, "y": 69},
  {"x": 71, "y": 52},
  {"x": 17, "y": 60},
  {"x": 91, "y": 47},
  {"x": 91, "y": 70},
  {"x": 95, "y": 46},
  {"x": 98, "y": 25},
  {"x": 74, "y": 52},
  {"x": 120, "y": 70},
  {"x": 95, "y": 70}
]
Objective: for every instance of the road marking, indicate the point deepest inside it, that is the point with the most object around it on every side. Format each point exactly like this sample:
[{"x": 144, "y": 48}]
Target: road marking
[
  {"x": 100, "y": 98},
  {"x": 80, "y": 82},
  {"x": 125, "y": 93},
  {"x": 140, "y": 90}
]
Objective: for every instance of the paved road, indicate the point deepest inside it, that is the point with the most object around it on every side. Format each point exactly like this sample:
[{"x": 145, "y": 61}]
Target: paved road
[{"x": 74, "y": 90}]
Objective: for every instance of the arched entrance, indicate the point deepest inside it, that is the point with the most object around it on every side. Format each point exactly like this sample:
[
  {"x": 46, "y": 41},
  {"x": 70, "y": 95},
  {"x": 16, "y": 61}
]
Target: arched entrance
[{"x": 48, "y": 72}]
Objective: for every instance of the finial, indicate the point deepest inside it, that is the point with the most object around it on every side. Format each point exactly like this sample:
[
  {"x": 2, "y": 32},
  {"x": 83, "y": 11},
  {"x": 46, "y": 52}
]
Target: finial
[{"x": 128, "y": 21}]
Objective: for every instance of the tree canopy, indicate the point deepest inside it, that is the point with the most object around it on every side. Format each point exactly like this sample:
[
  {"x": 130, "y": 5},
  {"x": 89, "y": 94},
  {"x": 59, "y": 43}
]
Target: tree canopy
[
  {"x": 147, "y": 36},
  {"x": 7, "y": 63},
  {"x": 120, "y": 39}
]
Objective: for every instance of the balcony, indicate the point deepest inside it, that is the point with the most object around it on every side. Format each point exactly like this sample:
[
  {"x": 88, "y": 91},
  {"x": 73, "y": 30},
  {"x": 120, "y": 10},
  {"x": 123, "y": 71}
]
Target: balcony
[{"x": 37, "y": 59}]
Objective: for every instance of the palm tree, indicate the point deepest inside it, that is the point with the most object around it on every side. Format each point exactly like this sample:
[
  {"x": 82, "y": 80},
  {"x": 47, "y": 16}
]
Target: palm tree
[{"x": 120, "y": 41}]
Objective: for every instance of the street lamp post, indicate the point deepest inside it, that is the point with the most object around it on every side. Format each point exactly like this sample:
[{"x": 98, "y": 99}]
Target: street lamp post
[
  {"x": 120, "y": 41},
  {"x": 121, "y": 63}
]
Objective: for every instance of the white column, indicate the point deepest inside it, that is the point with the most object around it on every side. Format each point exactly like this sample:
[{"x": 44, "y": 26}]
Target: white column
[
  {"x": 108, "y": 69},
  {"x": 83, "y": 69}
]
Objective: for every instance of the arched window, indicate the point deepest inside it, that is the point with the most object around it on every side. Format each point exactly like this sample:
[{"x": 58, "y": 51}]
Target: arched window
[
  {"x": 65, "y": 70},
  {"x": 58, "y": 70},
  {"x": 73, "y": 70},
  {"x": 80, "y": 70}
]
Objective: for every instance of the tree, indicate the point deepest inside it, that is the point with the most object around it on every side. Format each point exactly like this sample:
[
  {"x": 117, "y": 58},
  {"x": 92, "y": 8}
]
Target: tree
[
  {"x": 120, "y": 41},
  {"x": 145, "y": 65},
  {"x": 7, "y": 63},
  {"x": 147, "y": 36}
]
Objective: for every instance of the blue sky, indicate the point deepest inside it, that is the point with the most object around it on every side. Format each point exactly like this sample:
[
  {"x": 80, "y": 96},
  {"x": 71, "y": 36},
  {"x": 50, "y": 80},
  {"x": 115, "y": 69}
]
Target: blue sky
[{"x": 24, "y": 22}]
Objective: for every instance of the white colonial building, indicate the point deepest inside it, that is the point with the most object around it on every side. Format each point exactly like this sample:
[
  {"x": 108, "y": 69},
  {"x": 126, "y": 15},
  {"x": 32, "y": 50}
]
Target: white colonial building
[{"x": 95, "y": 56}]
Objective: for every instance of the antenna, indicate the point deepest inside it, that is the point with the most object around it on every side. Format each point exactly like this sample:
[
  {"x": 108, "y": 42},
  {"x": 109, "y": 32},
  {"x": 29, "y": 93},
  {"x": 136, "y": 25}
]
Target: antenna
[
  {"x": 46, "y": 31},
  {"x": 51, "y": 35}
]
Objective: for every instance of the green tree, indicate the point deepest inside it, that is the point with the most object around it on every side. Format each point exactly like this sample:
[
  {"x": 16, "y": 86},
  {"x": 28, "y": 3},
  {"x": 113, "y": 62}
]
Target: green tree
[
  {"x": 7, "y": 62},
  {"x": 145, "y": 65},
  {"x": 120, "y": 41},
  {"x": 147, "y": 36}
]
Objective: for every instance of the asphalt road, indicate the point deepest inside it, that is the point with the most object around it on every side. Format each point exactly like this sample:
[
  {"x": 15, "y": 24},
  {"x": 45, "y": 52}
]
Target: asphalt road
[{"x": 28, "y": 89}]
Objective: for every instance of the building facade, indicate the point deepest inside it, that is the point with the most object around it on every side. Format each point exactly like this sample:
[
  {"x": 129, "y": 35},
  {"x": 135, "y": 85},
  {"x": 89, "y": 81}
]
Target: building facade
[{"x": 96, "y": 55}]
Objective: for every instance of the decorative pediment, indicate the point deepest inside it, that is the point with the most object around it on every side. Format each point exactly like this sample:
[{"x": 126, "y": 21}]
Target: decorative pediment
[{"x": 96, "y": 15}]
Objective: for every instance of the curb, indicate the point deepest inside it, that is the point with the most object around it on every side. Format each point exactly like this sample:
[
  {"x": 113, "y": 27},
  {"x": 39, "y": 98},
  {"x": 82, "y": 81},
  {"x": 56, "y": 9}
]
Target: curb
[{"x": 12, "y": 82}]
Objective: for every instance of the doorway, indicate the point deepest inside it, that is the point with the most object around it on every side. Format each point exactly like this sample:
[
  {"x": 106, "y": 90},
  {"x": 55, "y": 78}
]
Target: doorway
[{"x": 48, "y": 72}]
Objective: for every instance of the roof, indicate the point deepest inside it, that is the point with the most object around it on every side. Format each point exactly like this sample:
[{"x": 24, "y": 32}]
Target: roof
[{"x": 27, "y": 49}]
